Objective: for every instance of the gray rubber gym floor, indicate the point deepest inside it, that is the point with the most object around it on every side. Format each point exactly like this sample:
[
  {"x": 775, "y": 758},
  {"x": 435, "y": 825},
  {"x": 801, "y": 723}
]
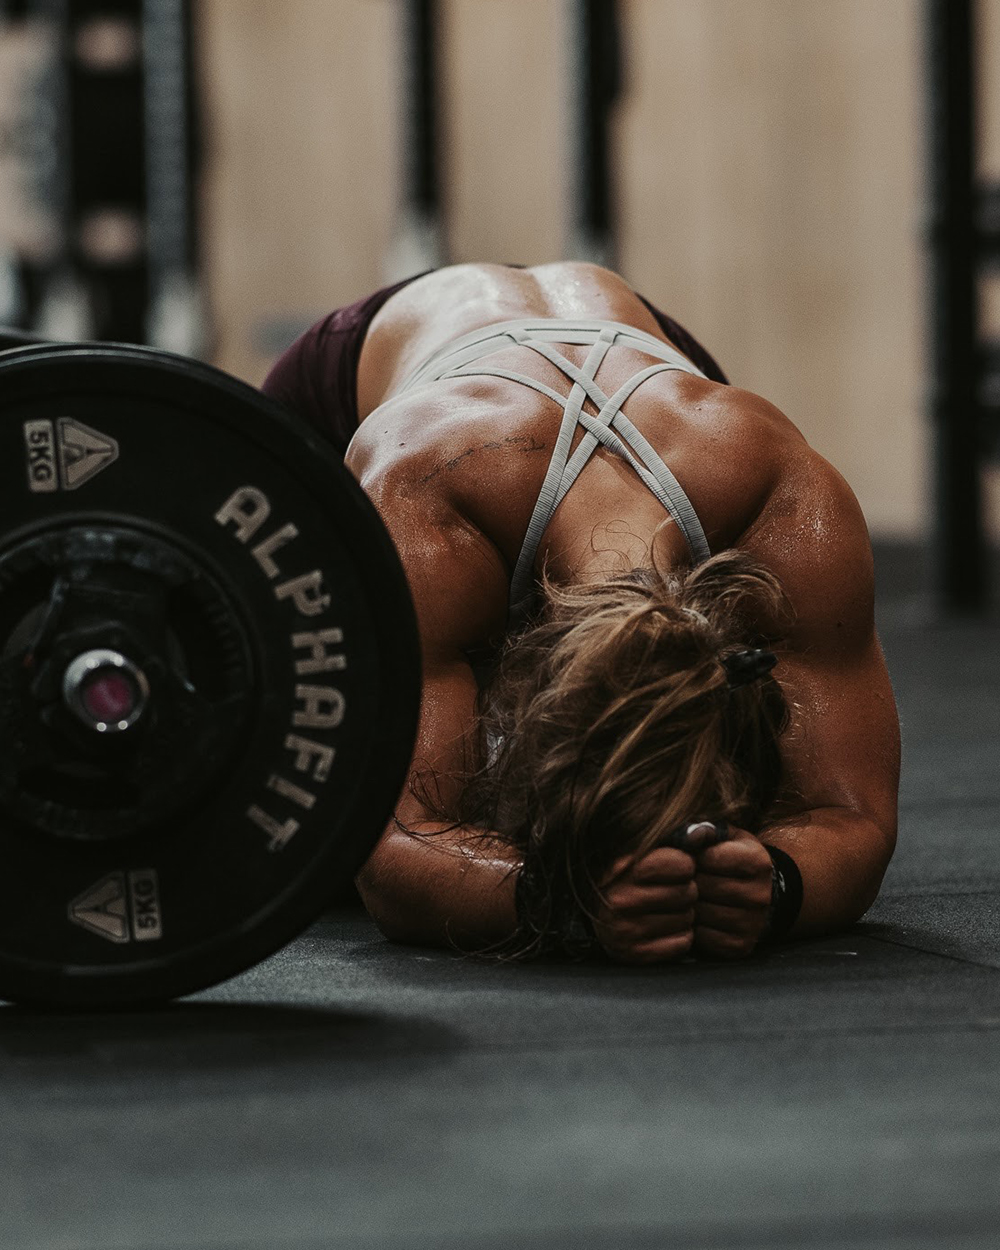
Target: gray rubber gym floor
[{"x": 348, "y": 1093}]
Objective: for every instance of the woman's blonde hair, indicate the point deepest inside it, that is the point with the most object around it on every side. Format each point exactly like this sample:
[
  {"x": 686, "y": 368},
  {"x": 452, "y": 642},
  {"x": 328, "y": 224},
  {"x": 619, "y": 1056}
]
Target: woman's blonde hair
[{"x": 611, "y": 721}]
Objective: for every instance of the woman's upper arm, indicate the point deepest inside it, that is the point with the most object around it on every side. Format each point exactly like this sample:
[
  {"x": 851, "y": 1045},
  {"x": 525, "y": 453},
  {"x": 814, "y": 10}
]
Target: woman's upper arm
[
  {"x": 444, "y": 746},
  {"x": 459, "y": 588},
  {"x": 427, "y": 888},
  {"x": 843, "y": 748}
]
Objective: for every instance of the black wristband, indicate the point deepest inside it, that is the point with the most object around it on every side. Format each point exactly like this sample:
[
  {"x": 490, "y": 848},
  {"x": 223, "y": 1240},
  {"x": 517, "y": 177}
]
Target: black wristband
[{"x": 786, "y": 893}]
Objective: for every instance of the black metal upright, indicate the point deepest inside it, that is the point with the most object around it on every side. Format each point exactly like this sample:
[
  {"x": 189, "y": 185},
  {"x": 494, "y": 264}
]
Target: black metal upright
[
  {"x": 422, "y": 171},
  {"x": 960, "y": 547},
  {"x": 172, "y": 157},
  {"x": 596, "y": 82},
  {"x": 57, "y": 301},
  {"x": 12, "y": 293},
  {"x": 419, "y": 242},
  {"x": 103, "y": 47}
]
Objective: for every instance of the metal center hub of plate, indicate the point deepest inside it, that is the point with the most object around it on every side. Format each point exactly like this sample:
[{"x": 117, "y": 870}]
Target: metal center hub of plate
[
  {"x": 105, "y": 690},
  {"x": 126, "y": 680}
]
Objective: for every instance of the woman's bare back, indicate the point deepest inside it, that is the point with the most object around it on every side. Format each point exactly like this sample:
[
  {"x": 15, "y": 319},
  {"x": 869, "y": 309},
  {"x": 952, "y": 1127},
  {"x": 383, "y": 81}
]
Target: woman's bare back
[{"x": 482, "y": 445}]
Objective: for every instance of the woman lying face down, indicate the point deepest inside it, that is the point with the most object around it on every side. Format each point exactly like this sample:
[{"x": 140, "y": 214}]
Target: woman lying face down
[
  {"x": 656, "y": 716},
  {"x": 633, "y": 702}
]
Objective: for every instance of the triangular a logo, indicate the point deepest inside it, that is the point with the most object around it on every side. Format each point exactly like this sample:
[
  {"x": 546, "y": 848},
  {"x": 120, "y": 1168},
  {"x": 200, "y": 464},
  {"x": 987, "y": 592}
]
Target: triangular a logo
[
  {"x": 101, "y": 909},
  {"x": 83, "y": 452}
]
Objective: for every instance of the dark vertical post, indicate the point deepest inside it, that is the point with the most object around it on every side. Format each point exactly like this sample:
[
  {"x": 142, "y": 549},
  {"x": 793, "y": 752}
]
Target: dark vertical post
[
  {"x": 596, "y": 80},
  {"x": 110, "y": 157},
  {"x": 61, "y": 307},
  {"x": 422, "y": 187},
  {"x": 959, "y": 540},
  {"x": 175, "y": 318},
  {"x": 108, "y": 201},
  {"x": 419, "y": 235},
  {"x": 10, "y": 278}
]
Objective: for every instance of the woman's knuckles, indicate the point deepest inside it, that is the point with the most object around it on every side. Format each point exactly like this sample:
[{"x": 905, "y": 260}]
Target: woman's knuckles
[
  {"x": 723, "y": 945},
  {"x": 659, "y": 951}
]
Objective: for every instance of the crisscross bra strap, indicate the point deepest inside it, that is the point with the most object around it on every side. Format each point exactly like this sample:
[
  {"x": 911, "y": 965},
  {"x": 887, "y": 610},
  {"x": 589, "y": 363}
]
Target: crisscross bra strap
[{"x": 609, "y": 426}]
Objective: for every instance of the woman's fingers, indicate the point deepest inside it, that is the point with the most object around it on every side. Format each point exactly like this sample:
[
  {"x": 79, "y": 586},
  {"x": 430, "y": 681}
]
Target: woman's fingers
[
  {"x": 731, "y": 930},
  {"x": 698, "y": 836},
  {"x": 669, "y": 901},
  {"x": 734, "y": 897},
  {"x": 735, "y": 873},
  {"x": 621, "y": 931},
  {"x": 719, "y": 944},
  {"x": 734, "y": 891},
  {"x": 739, "y": 920},
  {"x": 622, "y": 945},
  {"x": 660, "y": 950},
  {"x": 646, "y": 914},
  {"x": 741, "y": 857},
  {"x": 628, "y": 899},
  {"x": 662, "y": 866},
  {"x": 650, "y": 950}
]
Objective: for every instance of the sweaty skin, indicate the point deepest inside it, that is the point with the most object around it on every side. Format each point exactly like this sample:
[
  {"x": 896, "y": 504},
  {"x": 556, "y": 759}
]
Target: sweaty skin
[{"x": 455, "y": 468}]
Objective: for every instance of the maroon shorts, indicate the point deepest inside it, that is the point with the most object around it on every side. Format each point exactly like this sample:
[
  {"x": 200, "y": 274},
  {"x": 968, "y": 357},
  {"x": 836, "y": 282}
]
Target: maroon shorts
[{"x": 317, "y": 377}]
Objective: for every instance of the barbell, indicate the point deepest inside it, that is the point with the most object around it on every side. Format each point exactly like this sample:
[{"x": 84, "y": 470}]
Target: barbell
[{"x": 209, "y": 675}]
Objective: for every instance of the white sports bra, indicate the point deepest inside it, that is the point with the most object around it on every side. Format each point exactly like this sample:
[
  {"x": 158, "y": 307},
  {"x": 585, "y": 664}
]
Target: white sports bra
[{"x": 460, "y": 359}]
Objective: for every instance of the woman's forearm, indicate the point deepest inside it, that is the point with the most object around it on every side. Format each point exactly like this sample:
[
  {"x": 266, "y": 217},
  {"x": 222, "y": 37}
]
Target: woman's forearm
[
  {"x": 842, "y": 857},
  {"x": 441, "y": 885}
]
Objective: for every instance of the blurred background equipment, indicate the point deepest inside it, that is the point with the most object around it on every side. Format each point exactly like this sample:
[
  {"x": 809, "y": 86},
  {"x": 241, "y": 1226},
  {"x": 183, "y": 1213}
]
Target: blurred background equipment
[
  {"x": 98, "y": 232},
  {"x": 174, "y": 315},
  {"x": 964, "y": 378},
  {"x": 964, "y": 237},
  {"x": 591, "y": 63}
]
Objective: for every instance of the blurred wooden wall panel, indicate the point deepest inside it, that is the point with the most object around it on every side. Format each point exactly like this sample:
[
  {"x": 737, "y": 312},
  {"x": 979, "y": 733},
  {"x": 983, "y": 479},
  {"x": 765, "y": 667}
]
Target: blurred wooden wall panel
[
  {"x": 504, "y": 65},
  {"x": 300, "y": 115},
  {"x": 770, "y": 162}
]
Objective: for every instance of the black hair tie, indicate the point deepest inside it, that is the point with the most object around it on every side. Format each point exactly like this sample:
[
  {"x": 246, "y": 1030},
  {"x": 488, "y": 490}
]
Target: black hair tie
[{"x": 744, "y": 667}]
